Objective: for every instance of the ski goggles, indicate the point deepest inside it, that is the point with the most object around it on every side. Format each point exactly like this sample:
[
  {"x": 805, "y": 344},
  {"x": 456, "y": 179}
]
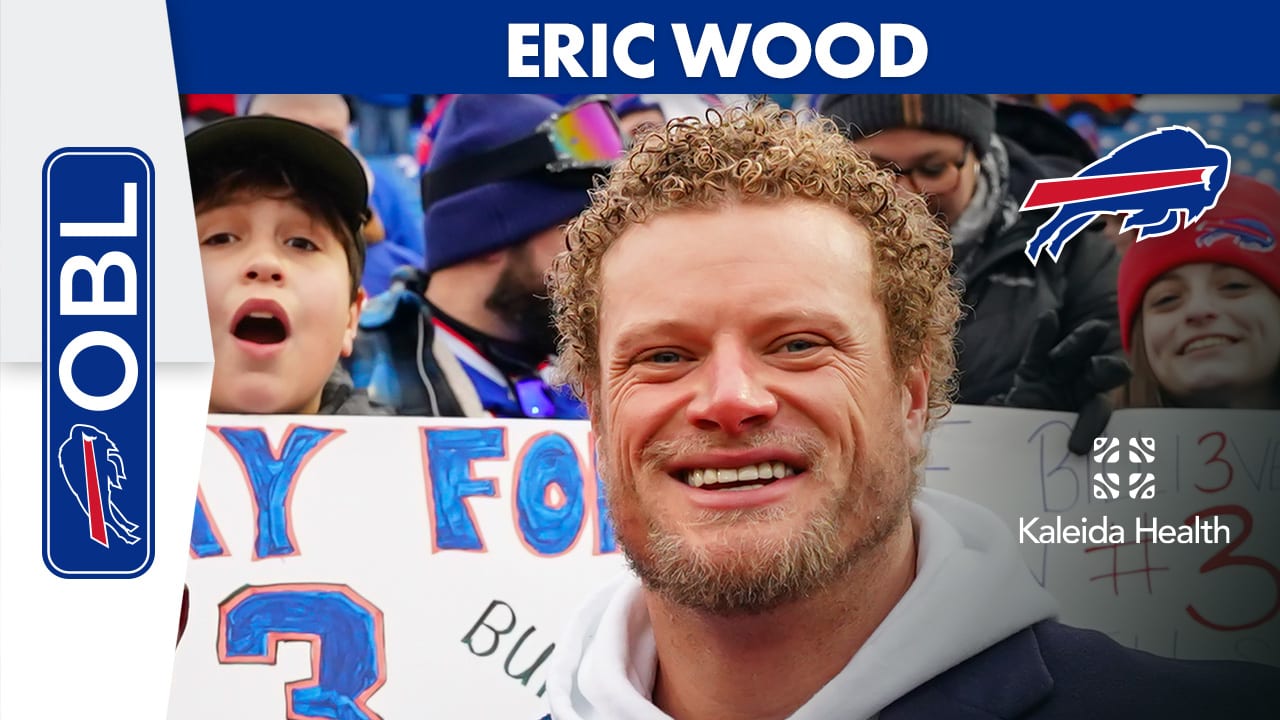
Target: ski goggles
[
  {"x": 569, "y": 147},
  {"x": 584, "y": 135}
]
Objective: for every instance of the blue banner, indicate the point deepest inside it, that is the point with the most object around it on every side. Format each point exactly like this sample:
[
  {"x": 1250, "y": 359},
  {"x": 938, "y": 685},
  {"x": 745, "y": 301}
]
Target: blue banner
[
  {"x": 98, "y": 362},
  {"x": 1001, "y": 47}
]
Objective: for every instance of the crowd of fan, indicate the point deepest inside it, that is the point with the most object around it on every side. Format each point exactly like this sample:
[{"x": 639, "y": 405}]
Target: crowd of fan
[{"x": 328, "y": 294}]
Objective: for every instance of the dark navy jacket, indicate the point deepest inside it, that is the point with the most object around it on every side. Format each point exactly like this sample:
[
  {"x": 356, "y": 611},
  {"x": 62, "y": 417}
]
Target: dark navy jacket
[{"x": 1051, "y": 671}]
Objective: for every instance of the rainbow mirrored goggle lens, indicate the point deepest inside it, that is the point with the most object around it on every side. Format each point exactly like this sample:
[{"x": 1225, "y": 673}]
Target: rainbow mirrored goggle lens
[
  {"x": 569, "y": 147},
  {"x": 584, "y": 135}
]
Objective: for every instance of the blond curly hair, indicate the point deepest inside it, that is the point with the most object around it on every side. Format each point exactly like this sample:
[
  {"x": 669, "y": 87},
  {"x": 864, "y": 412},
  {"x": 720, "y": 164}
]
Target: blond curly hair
[{"x": 762, "y": 154}]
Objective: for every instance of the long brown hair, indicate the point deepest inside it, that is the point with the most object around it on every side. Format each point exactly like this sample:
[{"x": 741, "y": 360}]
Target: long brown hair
[{"x": 1143, "y": 388}]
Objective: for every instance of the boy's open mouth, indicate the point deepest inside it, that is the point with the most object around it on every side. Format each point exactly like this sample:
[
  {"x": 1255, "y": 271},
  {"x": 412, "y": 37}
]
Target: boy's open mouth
[{"x": 262, "y": 322}]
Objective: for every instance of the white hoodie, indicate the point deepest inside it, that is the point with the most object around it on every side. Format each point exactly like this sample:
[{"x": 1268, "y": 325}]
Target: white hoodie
[{"x": 972, "y": 590}]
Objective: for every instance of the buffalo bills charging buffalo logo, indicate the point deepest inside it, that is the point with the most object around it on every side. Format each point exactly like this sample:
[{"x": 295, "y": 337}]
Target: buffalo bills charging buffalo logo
[
  {"x": 1246, "y": 233},
  {"x": 93, "y": 468},
  {"x": 1161, "y": 182}
]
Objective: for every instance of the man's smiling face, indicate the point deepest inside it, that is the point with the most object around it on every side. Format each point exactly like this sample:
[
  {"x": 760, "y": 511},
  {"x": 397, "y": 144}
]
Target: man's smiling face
[{"x": 755, "y": 438}]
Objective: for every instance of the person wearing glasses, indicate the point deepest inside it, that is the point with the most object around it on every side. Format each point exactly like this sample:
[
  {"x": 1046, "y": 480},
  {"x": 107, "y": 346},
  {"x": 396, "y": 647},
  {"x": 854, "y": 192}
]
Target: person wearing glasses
[
  {"x": 469, "y": 335},
  {"x": 1041, "y": 336}
]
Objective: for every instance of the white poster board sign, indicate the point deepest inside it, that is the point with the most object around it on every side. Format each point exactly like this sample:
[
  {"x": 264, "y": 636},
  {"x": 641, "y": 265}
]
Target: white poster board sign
[
  {"x": 1215, "y": 597},
  {"x": 362, "y": 567},
  {"x": 390, "y": 567}
]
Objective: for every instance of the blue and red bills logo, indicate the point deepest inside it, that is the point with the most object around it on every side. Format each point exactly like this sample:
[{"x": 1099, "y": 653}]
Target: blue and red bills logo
[
  {"x": 99, "y": 363},
  {"x": 1246, "y": 233},
  {"x": 1161, "y": 182}
]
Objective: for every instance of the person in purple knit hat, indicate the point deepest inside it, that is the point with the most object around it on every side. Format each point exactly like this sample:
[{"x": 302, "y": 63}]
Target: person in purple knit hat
[{"x": 469, "y": 334}]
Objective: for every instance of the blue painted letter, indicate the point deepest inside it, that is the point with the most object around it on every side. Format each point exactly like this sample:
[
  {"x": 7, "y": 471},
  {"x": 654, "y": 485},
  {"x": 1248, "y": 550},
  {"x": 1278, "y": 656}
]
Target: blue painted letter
[
  {"x": 204, "y": 542},
  {"x": 449, "y": 456},
  {"x": 549, "y": 459},
  {"x": 271, "y": 479}
]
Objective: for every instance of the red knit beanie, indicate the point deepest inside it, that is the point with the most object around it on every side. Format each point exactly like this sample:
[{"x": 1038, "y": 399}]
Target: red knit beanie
[{"x": 1241, "y": 231}]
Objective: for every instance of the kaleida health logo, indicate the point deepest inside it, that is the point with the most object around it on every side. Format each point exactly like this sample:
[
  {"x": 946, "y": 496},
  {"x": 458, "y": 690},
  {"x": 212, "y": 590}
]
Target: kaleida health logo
[
  {"x": 1137, "y": 482},
  {"x": 1137, "y": 485}
]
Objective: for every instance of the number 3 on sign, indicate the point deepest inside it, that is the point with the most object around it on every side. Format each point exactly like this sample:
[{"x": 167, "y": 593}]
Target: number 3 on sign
[
  {"x": 348, "y": 658},
  {"x": 1224, "y": 558}
]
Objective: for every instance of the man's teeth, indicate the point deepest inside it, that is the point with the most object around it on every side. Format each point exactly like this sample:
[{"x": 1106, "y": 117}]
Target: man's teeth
[
  {"x": 262, "y": 315},
  {"x": 1206, "y": 343},
  {"x": 716, "y": 476}
]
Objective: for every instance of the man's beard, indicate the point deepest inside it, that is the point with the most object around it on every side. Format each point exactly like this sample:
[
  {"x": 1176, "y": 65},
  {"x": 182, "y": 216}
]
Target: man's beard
[
  {"x": 519, "y": 297},
  {"x": 757, "y": 574}
]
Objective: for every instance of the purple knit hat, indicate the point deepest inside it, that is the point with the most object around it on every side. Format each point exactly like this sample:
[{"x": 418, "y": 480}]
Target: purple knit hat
[{"x": 500, "y": 214}]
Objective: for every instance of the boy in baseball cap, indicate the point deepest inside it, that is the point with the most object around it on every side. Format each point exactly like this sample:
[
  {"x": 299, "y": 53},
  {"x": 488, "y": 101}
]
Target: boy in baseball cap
[{"x": 279, "y": 206}]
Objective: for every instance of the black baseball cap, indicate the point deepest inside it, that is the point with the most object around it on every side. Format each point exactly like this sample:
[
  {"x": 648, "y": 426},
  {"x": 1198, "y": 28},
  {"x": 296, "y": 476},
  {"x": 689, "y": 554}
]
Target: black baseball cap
[{"x": 242, "y": 141}]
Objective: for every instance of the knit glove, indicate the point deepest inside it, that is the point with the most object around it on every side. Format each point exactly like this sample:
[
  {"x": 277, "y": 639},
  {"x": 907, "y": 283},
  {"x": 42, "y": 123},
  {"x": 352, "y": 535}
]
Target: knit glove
[{"x": 1071, "y": 375}]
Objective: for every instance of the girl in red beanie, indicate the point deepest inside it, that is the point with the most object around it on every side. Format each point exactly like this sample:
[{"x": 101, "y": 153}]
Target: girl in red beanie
[{"x": 1200, "y": 307}]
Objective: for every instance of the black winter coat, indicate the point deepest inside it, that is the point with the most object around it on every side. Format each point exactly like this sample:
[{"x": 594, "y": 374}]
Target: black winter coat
[{"x": 1003, "y": 293}]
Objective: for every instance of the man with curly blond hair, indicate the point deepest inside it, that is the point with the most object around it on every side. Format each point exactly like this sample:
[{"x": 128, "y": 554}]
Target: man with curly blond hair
[{"x": 761, "y": 325}]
